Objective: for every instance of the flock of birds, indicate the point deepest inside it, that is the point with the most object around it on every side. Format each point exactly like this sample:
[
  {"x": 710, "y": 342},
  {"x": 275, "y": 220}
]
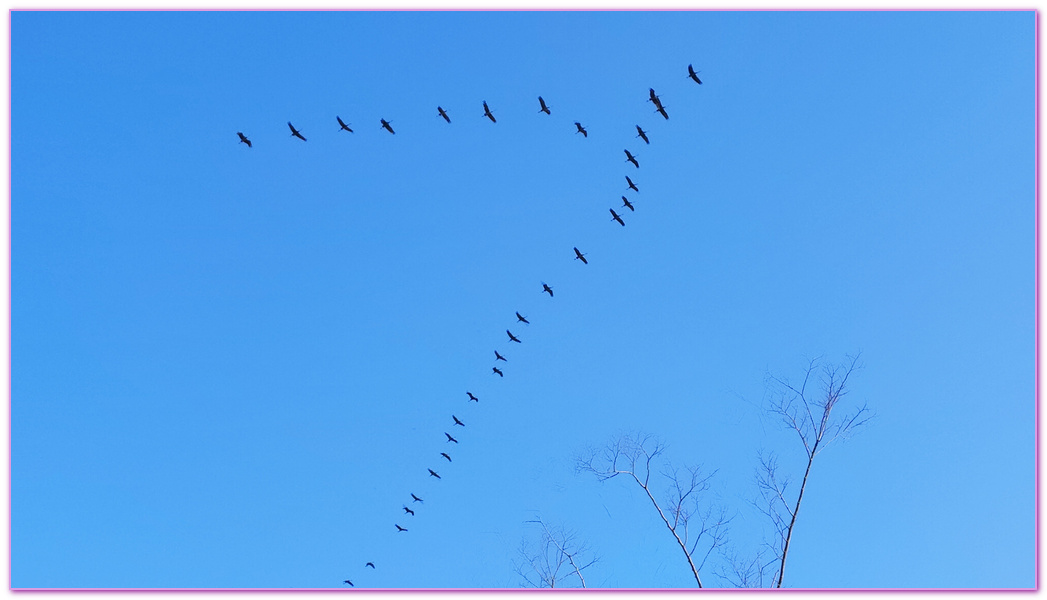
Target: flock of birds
[{"x": 520, "y": 319}]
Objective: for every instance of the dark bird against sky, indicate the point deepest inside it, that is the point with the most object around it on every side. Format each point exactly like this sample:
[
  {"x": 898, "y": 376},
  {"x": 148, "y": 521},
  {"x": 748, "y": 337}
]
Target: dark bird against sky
[
  {"x": 434, "y": 474},
  {"x": 513, "y": 338},
  {"x": 449, "y": 438},
  {"x": 456, "y": 421},
  {"x": 579, "y": 256},
  {"x": 615, "y": 216},
  {"x": 497, "y": 371},
  {"x": 581, "y": 129},
  {"x": 693, "y": 75},
  {"x": 443, "y": 114},
  {"x": 416, "y": 498},
  {"x": 522, "y": 319},
  {"x": 295, "y": 132},
  {"x": 487, "y": 113},
  {"x": 498, "y": 356},
  {"x": 398, "y": 528},
  {"x": 370, "y": 564},
  {"x": 661, "y": 111},
  {"x": 445, "y": 455},
  {"x": 387, "y": 126},
  {"x": 408, "y": 511},
  {"x": 349, "y": 582},
  {"x": 243, "y": 139},
  {"x": 630, "y": 158},
  {"x": 342, "y": 123},
  {"x": 632, "y": 186},
  {"x": 546, "y": 288},
  {"x": 627, "y": 204},
  {"x": 472, "y": 398},
  {"x": 544, "y": 108},
  {"x": 642, "y": 134}
]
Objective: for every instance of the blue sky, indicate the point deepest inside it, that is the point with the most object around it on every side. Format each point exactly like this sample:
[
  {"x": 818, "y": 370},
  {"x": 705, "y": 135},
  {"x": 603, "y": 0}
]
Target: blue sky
[{"x": 231, "y": 366}]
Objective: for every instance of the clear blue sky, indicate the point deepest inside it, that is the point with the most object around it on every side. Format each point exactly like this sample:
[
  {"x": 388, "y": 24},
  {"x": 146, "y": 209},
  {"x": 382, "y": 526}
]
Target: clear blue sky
[{"x": 231, "y": 366}]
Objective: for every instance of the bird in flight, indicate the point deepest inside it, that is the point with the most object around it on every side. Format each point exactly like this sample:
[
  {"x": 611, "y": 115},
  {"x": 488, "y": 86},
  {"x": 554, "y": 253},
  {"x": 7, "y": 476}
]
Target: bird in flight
[
  {"x": 386, "y": 125},
  {"x": 544, "y": 108},
  {"x": 498, "y": 356},
  {"x": 628, "y": 204},
  {"x": 472, "y": 398},
  {"x": 661, "y": 111},
  {"x": 456, "y": 421},
  {"x": 581, "y": 129},
  {"x": 497, "y": 371},
  {"x": 444, "y": 454},
  {"x": 443, "y": 114},
  {"x": 654, "y": 98},
  {"x": 398, "y": 528},
  {"x": 407, "y": 511},
  {"x": 416, "y": 498},
  {"x": 513, "y": 338},
  {"x": 522, "y": 319},
  {"x": 630, "y": 158},
  {"x": 295, "y": 132},
  {"x": 546, "y": 288},
  {"x": 449, "y": 438},
  {"x": 579, "y": 256},
  {"x": 487, "y": 113},
  {"x": 617, "y": 218},
  {"x": 342, "y": 123},
  {"x": 243, "y": 139},
  {"x": 642, "y": 134},
  {"x": 434, "y": 474},
  {"x": 349, "y": 582},
  {"x": 632, "y": 186},
  {"x": 693, "y": 75},
  {"x": 370, "y": 564}
]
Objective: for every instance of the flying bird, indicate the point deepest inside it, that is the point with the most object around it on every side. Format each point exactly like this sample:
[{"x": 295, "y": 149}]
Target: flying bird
[
  {"x": 513, "y": 338},
  {"x": 497, "y": 371},
  {"x": 628, "y": 204},
  {"x": 386, "y": 125},
  {"x": 443, "y": 114},
  {"x": 472, "y": 398},
  {"x": 295, "y": 132},
  {"x": 654, "y": 98},
  {"x": 630, "y": 158},
  {"x": 661, "y": 111},
  {"x": 416, "y": 498},
  {"x": 617, "y": 218},
  {"x": 456, "y": 421},
  {"x": 398, "y": 528},
  {"x": 499, "y": 356},
  {"x": 444, "y": 454},
  {"x": 693, "y": 75},
  {"x": 581, "y": 129},
  {"x": 544, "y": 108},
  {"x": 487, "y": 113},
  {"x": 243, "y": 139},
  {"x": 449, "y": 438},
  {"x": 521, "y": 319},
  {"x": 632, "y": 186},
  {"x": 579, "y": 256},
  {"x": 642, "y": 134},
  {"x": 349, "y": 582},
  {"x": 546, "y": 288},
  {"x": 406, "y": 511},
  {"x": 342, "y": 123},
  {"x": 434, "y": 474},
  {"x": 370, "y": 564}
]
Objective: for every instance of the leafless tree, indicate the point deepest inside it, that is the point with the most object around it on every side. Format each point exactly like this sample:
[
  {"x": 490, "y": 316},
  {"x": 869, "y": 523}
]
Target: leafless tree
[
  {"x": 633, "y": 456},
  {"x": 557, "y": 557},
  {"x": 808, "y": 412}
]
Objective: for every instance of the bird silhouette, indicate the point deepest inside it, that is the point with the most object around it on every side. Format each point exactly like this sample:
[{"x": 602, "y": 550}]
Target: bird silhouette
[
  {"x": 580, "y": 256},
  {"x": 444, "y": 454},
  {"x": 398, "y": 528},
  {"x": 581, "y": 129},
  {"x": 642, "y": 134},
  {"x": 617, "y": 218},
  {"x": 386, "y": 125},
  {"x": 408, "y": 511},
  {"x": 632, "y": 186},
  {"x": 295, "y": 132},
  {"x": 654, "y": 98},
  {"x": 661, "y": 111},
  {"x": 243, "y": 139},
  {"x": 522, "y": 319},
  {"x": 544, "y": 108},
  {"x": 546, "y": 288},
  {"x": 472, "y": 398},
  {"x": 487, "y": 113},
  {"x": 416, "y": 498},
  {"x": 499, "y": 356},
  {"x": 693, "y": 75},
  {"x": 513, "y": 338},
  {"x": 449, "y": 438},
  {"x": 370, "y": 564},
  {"x": 628, "y": 204},
  {"x": 342, "y": 123},
  {"x": 456, "y": 421},
  {"x": 443, "y": 114},
  {"x": 349, "y": 582},
  {"x": 630, "y": 158},
  {"x": 434, "y": 474},
  {"x": 497, "y": 371}
]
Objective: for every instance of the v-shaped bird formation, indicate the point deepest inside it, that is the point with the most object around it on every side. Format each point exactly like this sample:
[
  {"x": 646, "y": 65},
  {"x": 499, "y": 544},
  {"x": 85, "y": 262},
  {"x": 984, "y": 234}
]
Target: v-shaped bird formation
[{"x": 543, "y": 107}]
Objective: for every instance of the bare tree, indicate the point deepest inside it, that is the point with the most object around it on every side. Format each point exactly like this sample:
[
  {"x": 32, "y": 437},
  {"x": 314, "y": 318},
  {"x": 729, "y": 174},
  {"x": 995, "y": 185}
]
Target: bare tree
[
  {"x": 558, "y": 555},
  {"x": 633, "y": 456},
  {"x": 810, "y": 414}
]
